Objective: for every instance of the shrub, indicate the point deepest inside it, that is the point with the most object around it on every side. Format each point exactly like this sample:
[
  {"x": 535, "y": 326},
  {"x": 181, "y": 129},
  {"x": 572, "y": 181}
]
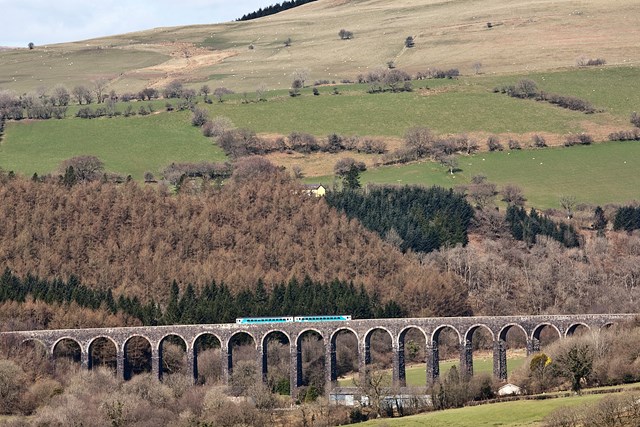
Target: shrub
[
  {"x": 585, "y": 62},
  {"x": 128, "y": 96},
  {"x": 525, "y": 88},
  {"x": 303, "y": 142},
  {"x": 199, "y": 117},
  {"x": 578, "y": 139},
  {"x": 129, "y": 111},
  {"x": 493, "y": 143},
  {"x": 12, "y": 386},
  {"x": 344, "y": 165},
  {"x": 539, "y": 141},
  {"x": 221, "y": 124},
  {"x": 316, "y": 92},
  {"x": 635, "y": 119},
  {"x": 334, "y": 144},
  {"x": 345, "y": 34},
  {"x": 173, "y": 90},
  {"x": 445, "y": 74},
  {"x": 409, "y": 42},
  {"x": 568, "y": 102},
  {"x": 371, "y": 146},
  {"x": 85, "y": 113},
  {"x": 514, "y": 145},
  {"x": 625, "y": 135},
  {"x": 207, "y": 129}
]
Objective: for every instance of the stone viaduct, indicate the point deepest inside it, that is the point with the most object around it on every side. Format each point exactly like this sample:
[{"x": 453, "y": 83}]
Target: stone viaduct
[{"x": 431, "y": 328}]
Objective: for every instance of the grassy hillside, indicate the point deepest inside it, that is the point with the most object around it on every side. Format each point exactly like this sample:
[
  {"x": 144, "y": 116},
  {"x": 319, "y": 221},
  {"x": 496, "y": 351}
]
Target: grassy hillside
[
  {"x": 597, "y": 174},
  {"x": 525, "y": 35},
  {"x": 592, "y": 174},
  {"x": 129, "y": 146},
  {"x": 520, "y": 413}
]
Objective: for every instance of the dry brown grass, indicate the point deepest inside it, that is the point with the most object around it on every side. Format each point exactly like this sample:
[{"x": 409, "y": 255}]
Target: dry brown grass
[{"x": 526, "y": 35}]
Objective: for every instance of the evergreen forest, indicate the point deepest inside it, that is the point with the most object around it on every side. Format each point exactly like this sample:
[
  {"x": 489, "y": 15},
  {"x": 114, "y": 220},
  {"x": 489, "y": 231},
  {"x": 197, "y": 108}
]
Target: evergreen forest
[{"x": 414, "y": 218}]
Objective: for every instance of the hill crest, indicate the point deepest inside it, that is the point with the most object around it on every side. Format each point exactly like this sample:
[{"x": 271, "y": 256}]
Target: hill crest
[{"x": 517, "y": 36}]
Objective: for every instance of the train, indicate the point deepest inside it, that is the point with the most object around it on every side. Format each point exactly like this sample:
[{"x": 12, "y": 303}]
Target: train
[{"x": 290, "y": 319}]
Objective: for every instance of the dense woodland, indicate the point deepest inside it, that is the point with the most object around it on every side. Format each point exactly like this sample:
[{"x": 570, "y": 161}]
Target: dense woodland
[
  {"x": 527, "y": 227},
  {"x": 273, "y": 9},
  {"x": 135, "y": 240},
  {"x": 132, "y": 242},
  {"x": 414, "y": 218}
]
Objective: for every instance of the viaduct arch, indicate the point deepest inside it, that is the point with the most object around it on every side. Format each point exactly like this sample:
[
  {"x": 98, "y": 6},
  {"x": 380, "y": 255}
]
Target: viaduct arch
[{"x": 465, "y": 327}]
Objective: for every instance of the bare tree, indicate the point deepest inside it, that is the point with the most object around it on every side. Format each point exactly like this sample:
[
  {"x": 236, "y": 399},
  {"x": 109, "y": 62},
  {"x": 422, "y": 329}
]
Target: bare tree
[
  {"x": 220, "y": 125},
  {"x": 174, "y": 89},
  {"x": 82, "y": 94},
  {"x": 568, "y": 203},
  {"x": 419, "y": 139},
  {"x": 60, "y": 96},
  {"x": 301, "y": 74},
  {"x": 493, "y": 143},
  {"x": 344, "y": 165},
  {"x": 254, "y": 167},
  {"x": 260, "y": 91},
  {"x": 513, "y": 195},
  {"x": 298, "y": 173},
  {"x": 395, "y": 78},
  {"x": 451, "y": 162},
  {"x": 481, "y": 192},
  {"x": 375, "y": 385},
  {"x": 205, "y": 91},
  {"x": 99, "y": 85},
  {"x": 220, "y": 92},
  {"x": 86, "y": 168}
]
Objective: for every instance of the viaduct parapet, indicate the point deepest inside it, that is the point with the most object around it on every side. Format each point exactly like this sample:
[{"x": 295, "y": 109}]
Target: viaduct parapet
[{"x": 431, "y": 328}]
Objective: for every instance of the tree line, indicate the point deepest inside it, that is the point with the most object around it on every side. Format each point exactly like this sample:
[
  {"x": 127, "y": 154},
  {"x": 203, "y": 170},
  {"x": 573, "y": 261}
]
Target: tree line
[
  {"x": 213, "y": 303},
  {"x": 526, "y": 227},
  {"x": 273, "y": 9},
  {"x": 627, "y": 218},
  {"x": 413, "y": 218}
]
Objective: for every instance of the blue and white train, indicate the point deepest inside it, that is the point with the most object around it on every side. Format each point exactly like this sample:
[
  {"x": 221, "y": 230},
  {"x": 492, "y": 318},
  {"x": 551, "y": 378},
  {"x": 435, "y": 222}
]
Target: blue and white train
[{"x": 261, "y": 320}]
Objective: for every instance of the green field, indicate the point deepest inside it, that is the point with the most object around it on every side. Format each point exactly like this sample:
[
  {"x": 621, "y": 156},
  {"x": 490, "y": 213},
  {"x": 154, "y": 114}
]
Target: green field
[
  {"x": 596, "y": 174},
  {"x": 460, "y": 109},
  {"x": 448, "y": 106},
  {"x": 127, "y": 145},
  {"x": 614, "y": 89},
  {"x": 417, "y": 377},
  {"x": 520, "y": 413}
]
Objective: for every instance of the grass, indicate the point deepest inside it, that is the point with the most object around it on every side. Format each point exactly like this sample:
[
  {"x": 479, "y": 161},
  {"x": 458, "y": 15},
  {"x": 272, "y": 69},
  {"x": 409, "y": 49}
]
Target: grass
[
  {"x": 447, "y": 34},
  {"x": 456, "y": 110},
  {"x": 519, "y": 413},
  {"x": 614, "y": 89},
  {"x": 596, "y": 174},
  {"x": 416, "y": 374},
  {"x": 22, "y": 70},
  {"x": 592, "y": 174},
  {"x": 129, "y": 146}
]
